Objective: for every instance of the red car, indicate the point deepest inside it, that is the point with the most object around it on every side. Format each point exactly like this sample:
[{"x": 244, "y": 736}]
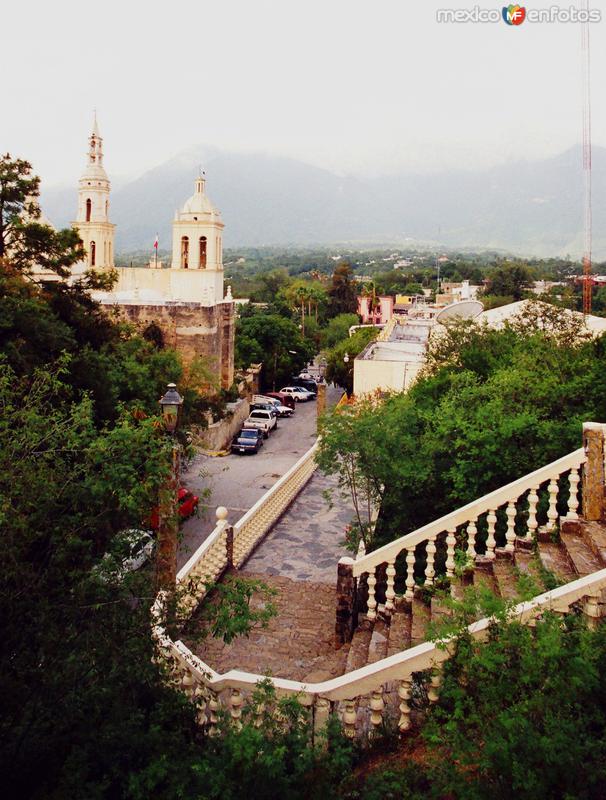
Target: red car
[{"x": 188, "y": 503}]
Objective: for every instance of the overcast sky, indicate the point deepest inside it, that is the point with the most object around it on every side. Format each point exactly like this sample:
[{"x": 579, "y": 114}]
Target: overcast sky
[{"x": 371, "y": 86}]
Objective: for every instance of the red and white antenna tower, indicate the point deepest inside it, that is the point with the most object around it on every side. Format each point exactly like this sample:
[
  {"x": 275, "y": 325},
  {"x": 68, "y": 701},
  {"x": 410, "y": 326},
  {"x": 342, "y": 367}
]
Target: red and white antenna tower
[{"x": 587, "y": 255}]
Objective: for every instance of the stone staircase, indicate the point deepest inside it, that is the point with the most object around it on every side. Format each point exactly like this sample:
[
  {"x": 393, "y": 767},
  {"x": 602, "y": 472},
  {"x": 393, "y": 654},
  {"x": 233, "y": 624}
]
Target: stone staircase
[{"x": 579, "y": 550}]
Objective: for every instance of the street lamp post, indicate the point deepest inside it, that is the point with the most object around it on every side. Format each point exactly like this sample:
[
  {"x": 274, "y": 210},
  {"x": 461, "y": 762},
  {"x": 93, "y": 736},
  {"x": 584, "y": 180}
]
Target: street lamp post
[{"x": 168, "y": 511}]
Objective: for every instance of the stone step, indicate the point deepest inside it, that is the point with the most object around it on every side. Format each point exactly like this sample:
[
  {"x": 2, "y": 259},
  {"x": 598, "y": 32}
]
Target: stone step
[
  {"x": 526, "y": 561},
  {"x": 594, "y": 534},
  {"x": 554, "y": 559},
  {"x": 580, "y": 555},
  {"x": 421, "y": 617},
  {"x": 506, "y": 579},
  {"x": 358, "y": 650},
  {"x": 486, "y": 578},
  {"x": 377, "y": 648},
  {"x": 399, "y": 631}
]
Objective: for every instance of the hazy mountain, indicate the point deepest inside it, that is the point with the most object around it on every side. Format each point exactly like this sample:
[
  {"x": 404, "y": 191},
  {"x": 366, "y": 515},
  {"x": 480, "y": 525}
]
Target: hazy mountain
[{"x": 532, "y": 207}]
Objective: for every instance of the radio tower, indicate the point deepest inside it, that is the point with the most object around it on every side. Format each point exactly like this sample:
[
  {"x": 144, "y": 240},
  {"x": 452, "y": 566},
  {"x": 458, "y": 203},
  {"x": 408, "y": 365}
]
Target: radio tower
[{"x": 587, "y": 256}]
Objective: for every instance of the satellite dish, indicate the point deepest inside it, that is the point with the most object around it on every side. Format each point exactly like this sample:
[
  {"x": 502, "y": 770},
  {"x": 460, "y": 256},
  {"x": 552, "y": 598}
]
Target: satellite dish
[{"x": 466, "y": 309}]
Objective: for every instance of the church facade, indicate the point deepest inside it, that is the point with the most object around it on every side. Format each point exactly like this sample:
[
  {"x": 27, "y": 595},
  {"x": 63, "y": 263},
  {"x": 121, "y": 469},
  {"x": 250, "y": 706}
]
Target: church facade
[{"x": 186, "y": 300}]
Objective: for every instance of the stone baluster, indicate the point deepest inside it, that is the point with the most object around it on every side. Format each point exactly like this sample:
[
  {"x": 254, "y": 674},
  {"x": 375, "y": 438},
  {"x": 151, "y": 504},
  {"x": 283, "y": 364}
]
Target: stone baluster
[
  {"x": 235, "y": 707},
  {"x": 533, "y": 501},
  {"x": 471, "y": 539},
  {"x": 201, "y": 698},
  {"x": 404, "y": 692},
  {"x": 491, "y": 542},
  {"x": 431, "y": 554},
  {"x": 552, "y": 511},
  {"x": 321, "y": 714},
  {"x": 433, "y": 692},
  {"x": 451, "y": 542},
  {"x": 188, "y": 684},
  {"x": 377, "y": 704},
  {"x": 349, "y": 718},
  {"x": 390, "y": 594},
  {"x": 214, "y": 706},
  {"x": 573, "y": 501},
  {"x": 594, "y": 609},
  {"x": 410, "y": 573},
  {"x": 372, "y": 600},
  {"x": 510, "y": 535}
]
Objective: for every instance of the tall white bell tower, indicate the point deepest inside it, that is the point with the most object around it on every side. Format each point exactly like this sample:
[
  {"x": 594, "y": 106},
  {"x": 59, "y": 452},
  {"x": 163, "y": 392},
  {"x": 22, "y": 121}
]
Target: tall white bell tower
[{"x": 92, "y": 222}]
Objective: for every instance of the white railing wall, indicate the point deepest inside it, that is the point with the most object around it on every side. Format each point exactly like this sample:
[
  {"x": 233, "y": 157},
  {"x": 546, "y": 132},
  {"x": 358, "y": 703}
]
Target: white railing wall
[
  {"x": 364, "y": 697},
  {"x": 213, "y": 556},
  {"x": 519, "y": 501}
]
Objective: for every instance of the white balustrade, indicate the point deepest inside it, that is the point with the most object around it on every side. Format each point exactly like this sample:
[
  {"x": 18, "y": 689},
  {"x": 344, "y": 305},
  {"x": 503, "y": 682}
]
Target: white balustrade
[
  {"x": 366, "y": 685},
  {"x": 370, "y": 680},
  {"x": 510, "y": 498}
]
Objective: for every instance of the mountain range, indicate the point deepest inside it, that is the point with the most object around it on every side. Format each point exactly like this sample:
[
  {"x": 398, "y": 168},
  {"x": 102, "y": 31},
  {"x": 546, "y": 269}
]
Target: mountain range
[{"x": 524, "y": 207}]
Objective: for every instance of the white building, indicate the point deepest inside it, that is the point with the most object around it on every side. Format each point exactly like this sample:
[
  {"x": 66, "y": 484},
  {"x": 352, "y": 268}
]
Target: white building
[{"x": 92, "y": 221}]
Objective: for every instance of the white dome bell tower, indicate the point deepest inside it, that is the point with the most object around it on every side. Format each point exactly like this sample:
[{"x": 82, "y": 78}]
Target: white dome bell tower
[
  {"x": 92, "y": 222},
  {"x": 198, "y": 238}
]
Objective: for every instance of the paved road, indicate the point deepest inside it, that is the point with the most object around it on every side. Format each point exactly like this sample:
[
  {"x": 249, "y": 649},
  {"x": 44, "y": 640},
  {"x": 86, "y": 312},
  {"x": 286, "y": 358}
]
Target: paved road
[{"x": 237, "y": 482}]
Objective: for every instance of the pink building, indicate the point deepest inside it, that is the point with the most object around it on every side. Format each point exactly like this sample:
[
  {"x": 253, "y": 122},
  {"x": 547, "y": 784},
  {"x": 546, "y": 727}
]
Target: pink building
[{"x": 380, "y": 315}]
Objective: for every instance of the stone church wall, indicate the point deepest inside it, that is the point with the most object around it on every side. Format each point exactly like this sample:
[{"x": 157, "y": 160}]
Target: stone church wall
[{"x": 194, "y": 330}]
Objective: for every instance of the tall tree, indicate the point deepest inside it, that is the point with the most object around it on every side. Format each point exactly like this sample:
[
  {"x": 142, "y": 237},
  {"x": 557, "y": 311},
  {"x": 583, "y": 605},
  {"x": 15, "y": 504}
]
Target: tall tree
[
  {"x": 342, "y": 292},
  {"x": 24, "y": 241}
]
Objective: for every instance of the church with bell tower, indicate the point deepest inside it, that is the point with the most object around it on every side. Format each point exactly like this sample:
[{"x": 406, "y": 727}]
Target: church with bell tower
[
  {"x": 92, "y": 220},
  {"x": 187, "y": 300}
]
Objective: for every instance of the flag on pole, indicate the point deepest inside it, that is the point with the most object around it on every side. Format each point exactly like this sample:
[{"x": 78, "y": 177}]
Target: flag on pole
[{"x": 156, "y": 243}]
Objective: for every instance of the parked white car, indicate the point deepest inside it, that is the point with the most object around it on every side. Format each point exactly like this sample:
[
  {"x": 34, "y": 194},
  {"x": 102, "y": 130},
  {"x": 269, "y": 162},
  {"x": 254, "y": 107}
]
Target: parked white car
[
  {"x": 283, "y": 411},
  {"x": 298, "y": 393},
  {"x": 139, "y": 547},
  {"x": 261, "y": 419}
]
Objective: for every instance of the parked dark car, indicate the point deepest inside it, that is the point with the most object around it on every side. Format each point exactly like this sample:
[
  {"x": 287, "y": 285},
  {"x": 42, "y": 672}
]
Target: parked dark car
[
  {"x": 249, "y": 440},
  {"x": 311, "y": 386},
  {"x": 284, "y": 398}
]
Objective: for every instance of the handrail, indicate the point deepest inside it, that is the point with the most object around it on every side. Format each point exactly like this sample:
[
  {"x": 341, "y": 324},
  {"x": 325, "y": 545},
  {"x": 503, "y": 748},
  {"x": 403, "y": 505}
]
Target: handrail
[
  {"x": 489, "y": 502},
  {"x": 397, "y": 667},
  {"x": 275, "y": 488}
]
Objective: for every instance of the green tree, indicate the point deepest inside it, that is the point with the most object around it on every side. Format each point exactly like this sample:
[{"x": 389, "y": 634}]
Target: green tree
[
  {"x": 337, "y": 329},
  {"x": 493, "y": 406},
  {"x": 342, "y": 291},
  {"x": 510, "y": 280},
  {"x": 24, "y": 240},
  {"x": 338, "y": 369},
  {"x": 274, "y": 341}
]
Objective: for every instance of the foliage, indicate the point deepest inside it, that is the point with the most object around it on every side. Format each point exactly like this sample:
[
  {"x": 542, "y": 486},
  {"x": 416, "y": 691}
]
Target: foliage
[
  {"x": 275, "y": 341},
  {"x": 519, "y": 713},
  {"x": 342, "y": 292},
  {"x": 271, "y": 757},
  {"x": 340, "y": 371},
  {"x": 492, "y": 406},
  {"x": 337, "y": 329},
  {"x": 509, "y": 279},
  {"x": 24, "y": 240}
]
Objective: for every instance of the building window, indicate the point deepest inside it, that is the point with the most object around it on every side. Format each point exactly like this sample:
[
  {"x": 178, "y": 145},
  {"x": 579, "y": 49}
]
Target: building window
[
  {"x": 93, "y": 254},
  {"x": 89, "y": 206},
  {"x": 184, "y": 252},
  {"x": 202, "y": 252}
]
